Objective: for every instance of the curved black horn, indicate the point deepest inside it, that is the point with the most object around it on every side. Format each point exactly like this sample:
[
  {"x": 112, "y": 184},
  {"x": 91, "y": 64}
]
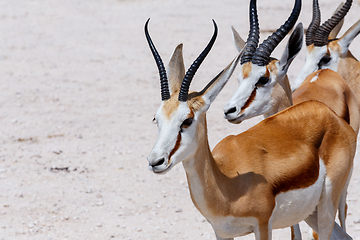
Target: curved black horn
[
  {"x": 262, "y": 54},
  {"x": 322, "y": 34},
  {"x": 314, "y": 25},
  {"x": 254, "y": 34},
  {"x": 194, "y": 67},
  {"x": 165, "y": 93}
]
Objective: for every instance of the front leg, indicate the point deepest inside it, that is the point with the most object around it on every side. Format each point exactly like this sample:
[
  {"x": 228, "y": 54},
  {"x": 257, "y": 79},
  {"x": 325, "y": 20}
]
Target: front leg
[
  {"x": 295, "y": 232},
  {"x": 263, "y": 231}
]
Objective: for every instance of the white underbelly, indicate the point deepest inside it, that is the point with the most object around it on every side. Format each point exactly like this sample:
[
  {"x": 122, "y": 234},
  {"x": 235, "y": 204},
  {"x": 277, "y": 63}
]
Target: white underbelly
[
  {"x": 230, "y": 227},
  {"x": 291, "y": 208},
  {"x": 294, "y": 206}
]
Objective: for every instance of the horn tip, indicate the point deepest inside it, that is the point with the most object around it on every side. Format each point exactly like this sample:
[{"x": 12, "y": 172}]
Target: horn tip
[
  {"x": 215, "y": 25},
  {"x": 146, "y": 24}
]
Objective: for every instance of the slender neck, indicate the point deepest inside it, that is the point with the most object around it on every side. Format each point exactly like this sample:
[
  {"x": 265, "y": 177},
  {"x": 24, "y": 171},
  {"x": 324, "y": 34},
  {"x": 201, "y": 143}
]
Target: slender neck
[
  {"x": 205, "y": 177},
  {"x": 199, "y": 167},
  {"x": 202, "y": 155},
  {"x": 349, "y": 68},
  {"x": 281, "y": 98}
]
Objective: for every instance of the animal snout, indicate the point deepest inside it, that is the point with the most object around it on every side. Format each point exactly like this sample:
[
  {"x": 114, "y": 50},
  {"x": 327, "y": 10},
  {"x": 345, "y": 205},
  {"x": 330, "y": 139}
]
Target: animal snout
[
  {"x": 230, "y": 110},
  {"x": 157, "y": 162}
]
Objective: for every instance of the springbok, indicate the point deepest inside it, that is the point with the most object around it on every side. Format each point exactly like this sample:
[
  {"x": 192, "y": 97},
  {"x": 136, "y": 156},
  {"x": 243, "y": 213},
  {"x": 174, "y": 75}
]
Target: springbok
[
  {"x": 325, "y": 86},
  {"x": 268, "y": 98},
  {"x": 290, "y": 167},
  {"x": 325, "y": 51},
  {"x": 270, "y": 74},
  {"x": 259, "y": 73}
]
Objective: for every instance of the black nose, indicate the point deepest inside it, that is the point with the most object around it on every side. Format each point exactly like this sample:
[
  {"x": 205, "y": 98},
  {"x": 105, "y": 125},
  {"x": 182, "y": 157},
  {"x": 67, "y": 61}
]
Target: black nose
[
  {"x": 158, "y": 163},
  {"x": 231, "y": 110}
]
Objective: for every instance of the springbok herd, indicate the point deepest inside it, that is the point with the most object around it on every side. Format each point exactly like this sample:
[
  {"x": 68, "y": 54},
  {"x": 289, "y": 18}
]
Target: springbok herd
[{"x": 294, "y": 165}]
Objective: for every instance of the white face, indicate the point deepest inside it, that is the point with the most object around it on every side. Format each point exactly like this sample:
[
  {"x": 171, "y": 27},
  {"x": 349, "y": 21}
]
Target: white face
[
  {"x": 253, "y": 96},
  {"x": 181, "y": 125},
  {"x": 176, "y": 133},
  {"x": 317, "y": 58}
]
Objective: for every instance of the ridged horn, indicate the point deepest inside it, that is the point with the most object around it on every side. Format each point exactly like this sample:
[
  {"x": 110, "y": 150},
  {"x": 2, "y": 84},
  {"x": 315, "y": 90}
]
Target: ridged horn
[
  {"x": 184, "y": 89},
  {"x": 322, "y": 34},
  {"x": 164, "y": 82},
  {"x": 315, "y": 23},
  {"x": 262, "y": 55},
  {"x": 254, "y": 34}
]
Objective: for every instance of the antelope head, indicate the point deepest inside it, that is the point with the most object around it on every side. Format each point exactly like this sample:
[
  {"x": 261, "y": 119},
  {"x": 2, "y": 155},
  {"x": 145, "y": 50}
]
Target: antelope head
[
  {"x": 324, "y": 50},
  {"x": 181, "y": 116},
  {"x": 259, "y": 73}
]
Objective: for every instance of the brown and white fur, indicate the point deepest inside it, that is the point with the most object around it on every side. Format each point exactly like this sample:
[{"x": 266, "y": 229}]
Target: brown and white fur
[
  {"x": 330, "y": 88},
  {"x": 290, "y": 167},
  {"x": 325, "y": 86},
  {"x": 255, "y": 52},
  {"x": 274, "y": 94},
  {"x": 335, "y": 56}
]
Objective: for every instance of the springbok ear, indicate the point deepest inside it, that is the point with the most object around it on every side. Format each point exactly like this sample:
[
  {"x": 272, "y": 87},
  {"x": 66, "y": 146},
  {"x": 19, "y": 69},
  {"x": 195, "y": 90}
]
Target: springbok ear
[
  {"x": 338, "y": 27},
  {"x": 176, "y": 69},
  {"x": 213, "y": 88},
  {"x": 292, "y": 49},
  {"x": 348, "y": 37},
  {"x": 239, "y": 42}
]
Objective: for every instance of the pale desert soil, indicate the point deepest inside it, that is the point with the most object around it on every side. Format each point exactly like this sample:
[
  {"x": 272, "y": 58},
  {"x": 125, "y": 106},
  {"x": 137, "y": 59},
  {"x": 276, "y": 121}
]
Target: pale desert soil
[{"x": 79, "y": 89}]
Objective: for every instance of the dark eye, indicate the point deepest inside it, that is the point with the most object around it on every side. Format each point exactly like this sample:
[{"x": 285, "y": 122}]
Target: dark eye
[
  {"x": 186, "y": 123},
  {"x": 154, "y": 120},
  {"x": 262, "y": 81},
  {"x": 324, "y": 60}
]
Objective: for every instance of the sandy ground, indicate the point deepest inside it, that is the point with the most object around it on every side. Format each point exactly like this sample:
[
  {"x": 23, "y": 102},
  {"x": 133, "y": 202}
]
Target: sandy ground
[{"x": 79, "y": 89}]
